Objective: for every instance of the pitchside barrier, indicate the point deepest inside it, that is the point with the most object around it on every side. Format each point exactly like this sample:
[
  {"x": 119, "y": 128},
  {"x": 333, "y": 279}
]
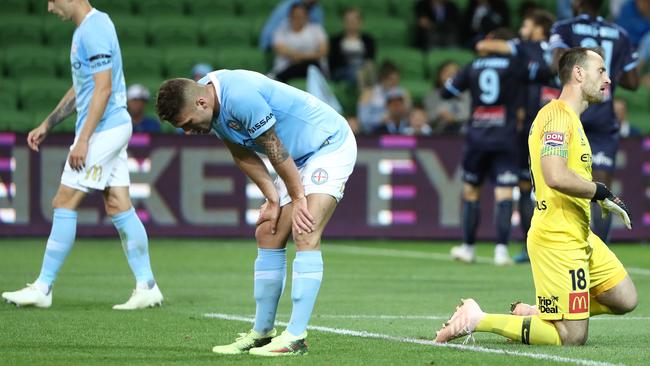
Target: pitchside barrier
[{"x": 402, "y": 187}]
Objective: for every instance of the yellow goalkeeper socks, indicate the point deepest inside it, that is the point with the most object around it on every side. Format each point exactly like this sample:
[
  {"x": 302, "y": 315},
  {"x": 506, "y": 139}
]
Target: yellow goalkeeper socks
[
  {"x": 596, "y": 308},
  {"x": 527, "y": 330}
]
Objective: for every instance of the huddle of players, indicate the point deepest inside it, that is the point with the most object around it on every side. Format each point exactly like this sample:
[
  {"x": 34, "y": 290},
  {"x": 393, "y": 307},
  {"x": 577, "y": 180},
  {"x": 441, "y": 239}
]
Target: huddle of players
[{"x": 510, "y": 82}]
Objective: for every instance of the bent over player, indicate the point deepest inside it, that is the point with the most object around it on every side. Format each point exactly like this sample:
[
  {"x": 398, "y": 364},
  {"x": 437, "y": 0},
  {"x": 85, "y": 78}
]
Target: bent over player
[
  {"x": 97, "y": 158},
  {"x": 312, "y": 149},
  {"x": 575, "y": 274}
]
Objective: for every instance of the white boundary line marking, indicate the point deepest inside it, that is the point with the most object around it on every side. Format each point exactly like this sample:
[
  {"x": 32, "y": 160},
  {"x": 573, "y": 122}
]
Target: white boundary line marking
[
  {"x": 365, "y": 334},
  {"x": 383, "y": 252},
  {"x": 431, "y": 317}
]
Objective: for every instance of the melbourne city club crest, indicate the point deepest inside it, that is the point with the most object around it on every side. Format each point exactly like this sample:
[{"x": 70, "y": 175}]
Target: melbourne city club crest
[{"x": 319, "y": 176}]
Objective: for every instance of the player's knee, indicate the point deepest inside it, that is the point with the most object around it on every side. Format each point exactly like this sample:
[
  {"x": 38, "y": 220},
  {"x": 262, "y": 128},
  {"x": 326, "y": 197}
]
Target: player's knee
[
  {"x": 626, "y": 305},
  {"x": 574, "y": 338},
  {"x": 113, "y": 206},
  {"x": 470, "y": 192}
]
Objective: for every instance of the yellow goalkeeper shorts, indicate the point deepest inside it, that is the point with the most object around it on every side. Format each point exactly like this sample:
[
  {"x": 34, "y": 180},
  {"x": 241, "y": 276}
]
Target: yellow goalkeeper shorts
[{"x": 565, "y": 279}]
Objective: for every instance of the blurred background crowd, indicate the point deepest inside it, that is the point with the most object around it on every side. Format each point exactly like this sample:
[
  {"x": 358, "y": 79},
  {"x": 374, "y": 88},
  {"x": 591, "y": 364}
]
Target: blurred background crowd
[{"x": 381, "y": 63}]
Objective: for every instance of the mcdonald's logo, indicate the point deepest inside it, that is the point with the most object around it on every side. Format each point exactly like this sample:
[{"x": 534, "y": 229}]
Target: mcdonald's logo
[
  {"x": 579, "y": 302},
  {"x": 94, "y": 173}
]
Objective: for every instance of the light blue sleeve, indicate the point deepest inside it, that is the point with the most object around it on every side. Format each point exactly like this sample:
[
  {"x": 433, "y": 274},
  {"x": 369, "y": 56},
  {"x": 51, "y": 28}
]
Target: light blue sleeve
[
  {"x": 96, "y": 41},
  {"x": 253, "y": 112},
  {"x": 279, "y": 14},
  {"x": 316, "y": 15}
]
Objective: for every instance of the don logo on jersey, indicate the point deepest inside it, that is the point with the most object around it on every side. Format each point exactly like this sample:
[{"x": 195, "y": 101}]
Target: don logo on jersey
[{"x": 554, "y": 139}]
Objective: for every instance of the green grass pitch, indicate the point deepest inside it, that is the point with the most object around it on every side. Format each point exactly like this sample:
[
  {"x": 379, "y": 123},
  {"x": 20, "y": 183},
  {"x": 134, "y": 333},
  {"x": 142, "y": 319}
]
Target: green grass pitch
[{"x": 401, "y": 291}]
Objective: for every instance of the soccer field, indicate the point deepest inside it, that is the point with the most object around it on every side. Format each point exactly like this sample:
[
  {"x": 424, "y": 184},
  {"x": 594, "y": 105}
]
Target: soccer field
[{"x": 380, "y": 304}]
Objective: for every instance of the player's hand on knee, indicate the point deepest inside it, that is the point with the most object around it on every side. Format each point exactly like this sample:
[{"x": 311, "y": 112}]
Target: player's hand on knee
[
  {"x": 36, "y": 136},
  {"x": 302, "y": 220},
  {"x": 611, "y": 204},
  {"x": 269, "y": 211},
  {"x": 77, "y": 157}
]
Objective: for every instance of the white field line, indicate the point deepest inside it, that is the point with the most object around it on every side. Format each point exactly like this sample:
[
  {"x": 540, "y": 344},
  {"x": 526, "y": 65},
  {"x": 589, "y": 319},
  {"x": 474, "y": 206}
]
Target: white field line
[
  {"x": 432, "y": 317},
  {"x": 398, "y": 253},
  {"x": 365, "y": 334}
]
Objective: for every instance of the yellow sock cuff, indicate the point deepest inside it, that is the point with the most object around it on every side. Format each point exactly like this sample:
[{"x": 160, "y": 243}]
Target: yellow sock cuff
[{"x": 527, "y": 330}]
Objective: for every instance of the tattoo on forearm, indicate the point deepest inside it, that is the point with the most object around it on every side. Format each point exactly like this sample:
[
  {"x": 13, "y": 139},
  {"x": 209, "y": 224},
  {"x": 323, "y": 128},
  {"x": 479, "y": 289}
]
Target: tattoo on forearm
[
  {"x": 270, "y": 142},
  {"x": 62, "y": 112}
]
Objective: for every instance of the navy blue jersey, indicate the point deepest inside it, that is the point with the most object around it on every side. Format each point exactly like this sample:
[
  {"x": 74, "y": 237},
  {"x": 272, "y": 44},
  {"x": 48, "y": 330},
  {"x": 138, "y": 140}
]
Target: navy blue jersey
[
  {"x": 495, "y": 83},
  {"x": 538, "y": 57},
  {"x": 620, "y": 57}
]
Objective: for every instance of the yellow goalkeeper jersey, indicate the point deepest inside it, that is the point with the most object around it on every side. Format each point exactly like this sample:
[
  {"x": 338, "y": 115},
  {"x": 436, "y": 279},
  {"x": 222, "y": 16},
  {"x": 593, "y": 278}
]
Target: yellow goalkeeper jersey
[{"x": 559, "y": 221}]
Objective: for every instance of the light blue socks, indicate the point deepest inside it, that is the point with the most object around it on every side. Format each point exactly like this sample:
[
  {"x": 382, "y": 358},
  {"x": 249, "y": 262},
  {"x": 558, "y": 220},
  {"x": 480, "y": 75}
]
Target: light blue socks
[
  {"x": 307, "y": 276},
  {"x": 270, "y": 275},
  {"x": 136, "y": 246},
  {"x": 62, "y": 235}
]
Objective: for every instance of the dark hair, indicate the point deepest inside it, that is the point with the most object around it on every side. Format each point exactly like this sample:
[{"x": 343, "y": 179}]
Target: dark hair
[
  {"x": 543, "y": 19},
  {"x": 574, "y": 56},
  {"x": 171, "y": 99},
  {"x": 296, "y": 6},
  {"x": 352, "y": 9},
  {"x": 502, "y": 33},
  {"x": 591, "y": 5},
  {"x": 387, "y": 67}
]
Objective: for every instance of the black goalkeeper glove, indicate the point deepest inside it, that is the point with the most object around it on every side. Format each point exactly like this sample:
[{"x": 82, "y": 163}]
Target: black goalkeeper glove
[{"x": 610, "y": 203}]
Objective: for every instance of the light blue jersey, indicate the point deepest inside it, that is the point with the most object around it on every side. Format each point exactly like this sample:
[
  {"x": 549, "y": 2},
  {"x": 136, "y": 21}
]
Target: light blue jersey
[
  {"x": 95, "y": 48},
  {"x": 251, "y": 103}
]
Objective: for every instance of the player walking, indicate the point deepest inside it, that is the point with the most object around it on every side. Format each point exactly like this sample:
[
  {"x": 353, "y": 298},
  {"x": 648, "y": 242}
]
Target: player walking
[{"x": 97, "y": 158}]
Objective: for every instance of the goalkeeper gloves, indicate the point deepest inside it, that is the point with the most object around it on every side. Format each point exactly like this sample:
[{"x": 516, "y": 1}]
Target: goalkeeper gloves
[{"x": 610, "y": 203}]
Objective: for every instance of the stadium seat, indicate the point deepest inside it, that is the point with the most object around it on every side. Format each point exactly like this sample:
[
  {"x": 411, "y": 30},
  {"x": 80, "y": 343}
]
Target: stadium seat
[
  {"x": 228, "y": 32},
  {"x": 114, "y": 8},
  {"x": 637, "y": 101},
  {"x": 8, "y": 100},
  {"x": 437, "y": 56},
  {"x": 212, "y": 9},
  {"x": 131, "y": 31},
  {"x": 141, "y": 62},
  {"x": 17, "y": 121},
  {"x": 32, "y": 62},
  {"x": 370, "y": 8},
  {"x": 417, "y": 87},
  {"x": 179, "y": 61},
  {"x": 41, "y": 94},
  {"x": 387, "y": 31},
  {"x": 20, "y": 30},
  {"x": 409, "y": 60},
  {"x": 298, "y": 83},
  {"x": 403, "y": 9},
  {"x": 57, "y": 33},
  {"x": 248, "y": 58},
  {"x": 249, "y": 8},
  {"x": 17, "y": 7},
  {"x": 154, "y": 8},
  {"x": 174, "y": 31}
]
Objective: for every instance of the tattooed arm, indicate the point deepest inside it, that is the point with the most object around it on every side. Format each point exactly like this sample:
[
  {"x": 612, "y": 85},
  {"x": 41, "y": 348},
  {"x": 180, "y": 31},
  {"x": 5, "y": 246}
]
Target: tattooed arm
[
  {"x": 282, "y": 162},
  {"x": 302, "y": 220},
  {"x": 65, "y": 108}
]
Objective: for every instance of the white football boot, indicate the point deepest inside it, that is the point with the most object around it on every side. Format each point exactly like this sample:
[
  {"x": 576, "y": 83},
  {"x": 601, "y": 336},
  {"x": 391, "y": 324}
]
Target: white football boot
[
  {"x": 142, "y": 298},
  {"x": 464, "y": 253},
  {"x": 501, "y": 255},
  {"x": 29, "y": 296}
]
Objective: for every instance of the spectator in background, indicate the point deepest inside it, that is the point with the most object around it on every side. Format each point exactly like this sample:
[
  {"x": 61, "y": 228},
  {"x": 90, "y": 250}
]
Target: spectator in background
[
  {"x": 615, "y": 7},
  {"x": 200, "y": 70},
  {"x": 635, "y": 19},
  {"x": 482, "y": 17},
  {"x": 297, "y": 45},
  {"x": 371, "y": 107},
  {"x": 446, "y": 115},
  {"x": 418, "y": 122},
  {"x": 437, "y": 24},
  {"x": 278, "y": 18},
  {"x": 350, "y": 49},
  {"x": 626, "y": 129},
  {"x": 137, "y": 96},
  {"x": 396, "y": 121}
]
